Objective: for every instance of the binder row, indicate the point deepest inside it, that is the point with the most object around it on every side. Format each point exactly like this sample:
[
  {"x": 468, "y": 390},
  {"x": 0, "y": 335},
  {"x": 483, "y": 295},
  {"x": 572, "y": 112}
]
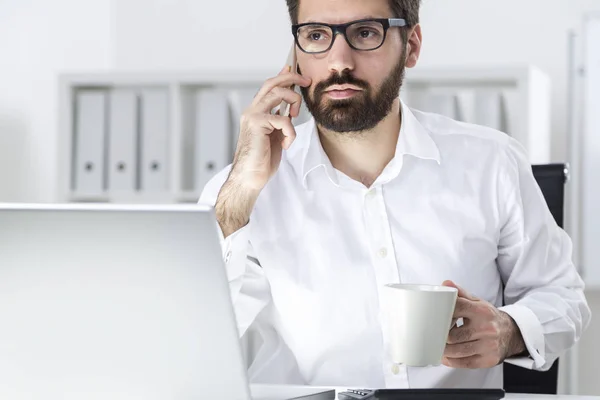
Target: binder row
[
  {"x": 215, "y": 130},
  {"x": 487, "y": 108},
  {"x": 483, "y": 107},
  {"x": 122, "y": 135},
  {"x": 122, "y": 140}
]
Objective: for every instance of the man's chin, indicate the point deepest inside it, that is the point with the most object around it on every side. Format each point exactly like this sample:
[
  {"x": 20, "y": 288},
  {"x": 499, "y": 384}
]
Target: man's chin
[
  {"x": 338, "y": 117},
  {"x": 340, "y": 123},
  {"x": 345, "y": 106}
]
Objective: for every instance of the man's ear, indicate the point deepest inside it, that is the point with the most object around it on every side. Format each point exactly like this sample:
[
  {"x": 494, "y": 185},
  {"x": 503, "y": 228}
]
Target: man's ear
[{"x": 413, "y": 46}]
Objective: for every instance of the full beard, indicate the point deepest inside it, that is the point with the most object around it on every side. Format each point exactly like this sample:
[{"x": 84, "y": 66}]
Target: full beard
[{"x": 359, "y": 113}]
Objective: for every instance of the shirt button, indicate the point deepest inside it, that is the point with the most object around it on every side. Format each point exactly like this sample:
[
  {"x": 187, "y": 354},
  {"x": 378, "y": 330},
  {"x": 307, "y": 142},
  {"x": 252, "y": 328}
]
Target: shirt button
[
  {"x": 371, "y": 193},
  {"x": 395, "y": 369},
  {"x": 227, "y": 256},
  {"x": 383, "y": 252}
]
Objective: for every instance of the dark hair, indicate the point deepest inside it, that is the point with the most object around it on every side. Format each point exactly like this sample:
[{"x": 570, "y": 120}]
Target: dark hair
[{"x": 407, "y": 9}]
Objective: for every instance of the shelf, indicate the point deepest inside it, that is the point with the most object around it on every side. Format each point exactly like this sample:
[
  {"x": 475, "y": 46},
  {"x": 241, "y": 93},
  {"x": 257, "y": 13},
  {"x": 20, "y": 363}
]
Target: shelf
[{"x": 200, "y": 113}]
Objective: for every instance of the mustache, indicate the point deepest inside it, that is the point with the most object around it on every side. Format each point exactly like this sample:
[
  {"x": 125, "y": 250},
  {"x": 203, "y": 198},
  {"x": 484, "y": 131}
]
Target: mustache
[{"x": 346, "y": 78}]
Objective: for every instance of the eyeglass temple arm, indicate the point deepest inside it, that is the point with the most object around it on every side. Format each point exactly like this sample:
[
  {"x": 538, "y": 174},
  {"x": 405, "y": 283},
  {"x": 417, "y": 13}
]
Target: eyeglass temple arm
[{"x": 397, "y": 22}]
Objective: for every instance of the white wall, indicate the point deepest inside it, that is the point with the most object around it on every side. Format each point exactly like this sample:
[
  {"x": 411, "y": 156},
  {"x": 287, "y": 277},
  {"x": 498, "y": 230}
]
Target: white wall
[
  {"x": 38, "y": 39},
  {"x": 192, "y": 34}
]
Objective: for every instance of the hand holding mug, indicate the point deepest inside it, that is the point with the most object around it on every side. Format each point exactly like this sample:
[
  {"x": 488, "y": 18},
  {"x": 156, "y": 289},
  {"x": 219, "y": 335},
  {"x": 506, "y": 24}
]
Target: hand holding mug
[{"x": 487, "y": 337}]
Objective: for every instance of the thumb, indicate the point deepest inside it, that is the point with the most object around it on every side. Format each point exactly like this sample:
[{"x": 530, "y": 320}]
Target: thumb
[{"x": 461, "y": 292}]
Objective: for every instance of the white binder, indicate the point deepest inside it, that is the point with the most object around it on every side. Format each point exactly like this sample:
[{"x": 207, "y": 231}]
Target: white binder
[
  {"x": 122, "y": 148},
  {"x": 212, "y": 136},
  {"x": 490, "y": 109},
  {"x": 239, "y": 100},
  {"x": 154, "y": 140},
  {"x": 90, "y": 132},
  {"x": 446, "y": 104}
]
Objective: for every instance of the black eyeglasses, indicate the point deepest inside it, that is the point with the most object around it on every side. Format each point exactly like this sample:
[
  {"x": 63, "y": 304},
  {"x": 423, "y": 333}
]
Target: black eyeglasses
[{"x": 363, "y": 34}]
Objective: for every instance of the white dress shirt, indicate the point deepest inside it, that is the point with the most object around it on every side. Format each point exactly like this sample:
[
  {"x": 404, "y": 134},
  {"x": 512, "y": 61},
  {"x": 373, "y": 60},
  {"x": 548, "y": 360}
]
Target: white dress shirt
[{"x": 457, "y": 202}]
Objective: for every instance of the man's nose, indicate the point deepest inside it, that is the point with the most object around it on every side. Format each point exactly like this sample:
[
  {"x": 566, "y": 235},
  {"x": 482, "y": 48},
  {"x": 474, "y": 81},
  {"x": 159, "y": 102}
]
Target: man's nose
[{"x": 340, "y": 57}]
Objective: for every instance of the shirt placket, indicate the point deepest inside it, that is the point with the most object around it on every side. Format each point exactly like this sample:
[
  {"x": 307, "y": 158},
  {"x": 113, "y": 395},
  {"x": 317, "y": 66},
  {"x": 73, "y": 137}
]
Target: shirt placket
[{"x": 386, "y": 271}]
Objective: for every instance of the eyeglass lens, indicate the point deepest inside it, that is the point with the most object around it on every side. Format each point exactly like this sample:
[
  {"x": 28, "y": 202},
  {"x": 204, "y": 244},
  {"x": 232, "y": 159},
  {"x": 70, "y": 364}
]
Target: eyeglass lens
[{"x": 365, "y": 35}]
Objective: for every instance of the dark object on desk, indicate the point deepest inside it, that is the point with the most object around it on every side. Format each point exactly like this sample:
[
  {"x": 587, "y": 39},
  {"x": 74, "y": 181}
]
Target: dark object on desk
[
  {"x": 422, "y": 394},
  {"x": 551, "y": 179}
]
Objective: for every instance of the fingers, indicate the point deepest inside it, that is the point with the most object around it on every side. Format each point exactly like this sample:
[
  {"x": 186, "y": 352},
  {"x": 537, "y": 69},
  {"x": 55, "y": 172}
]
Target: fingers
[
  {"x": 283, "y": 124},
  {"x": 461, "y": 292},
  {"x": 471, "y": 362},
  {"x": 463, "y": 334},
  {"x": 267, "y": 124},
  {"x": 276, "y": 96},
  {"x": 469, "y": 331},
  {"x": 465, "y": 349},
  {"x": 283, "y": 80},
  {"x": 465, "y": 308}
]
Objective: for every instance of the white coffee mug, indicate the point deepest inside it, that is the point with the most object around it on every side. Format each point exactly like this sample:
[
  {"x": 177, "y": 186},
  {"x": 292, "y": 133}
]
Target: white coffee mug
[{"x": 418, "y": 320}]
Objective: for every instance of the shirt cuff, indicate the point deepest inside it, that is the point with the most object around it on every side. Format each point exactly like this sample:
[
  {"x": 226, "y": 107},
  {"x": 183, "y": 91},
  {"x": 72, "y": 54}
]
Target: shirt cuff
[
  {"x": 533, "y": 336},
  {"x": 234, "y": 251}
]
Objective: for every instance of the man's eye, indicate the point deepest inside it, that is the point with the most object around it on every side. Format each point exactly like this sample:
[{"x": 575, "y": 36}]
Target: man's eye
[
  {"x": 316, "y": 36},
  {"x": 366, "y": 33}
]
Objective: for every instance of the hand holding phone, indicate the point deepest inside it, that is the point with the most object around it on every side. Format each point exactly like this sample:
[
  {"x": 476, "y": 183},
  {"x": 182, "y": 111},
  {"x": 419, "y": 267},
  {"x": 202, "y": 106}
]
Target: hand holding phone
[{"x": 262, "y": 138}]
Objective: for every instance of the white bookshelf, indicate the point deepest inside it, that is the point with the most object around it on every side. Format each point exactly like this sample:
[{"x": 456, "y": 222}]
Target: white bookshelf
[
  {"x": 524, "y": 93},
  {"x": 180, "y": 87}
]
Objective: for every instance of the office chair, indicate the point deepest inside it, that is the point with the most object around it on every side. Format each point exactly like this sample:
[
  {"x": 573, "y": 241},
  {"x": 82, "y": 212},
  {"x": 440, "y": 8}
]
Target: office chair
[{"x": 551, "y": 178}]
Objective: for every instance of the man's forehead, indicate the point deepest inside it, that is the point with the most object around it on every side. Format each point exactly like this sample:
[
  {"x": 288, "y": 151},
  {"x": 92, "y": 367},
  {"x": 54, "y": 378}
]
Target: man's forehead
[{"x": 340, "y": 11}]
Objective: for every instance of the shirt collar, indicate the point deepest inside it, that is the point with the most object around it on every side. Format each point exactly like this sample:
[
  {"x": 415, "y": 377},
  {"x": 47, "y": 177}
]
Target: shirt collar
[
  {"x": 315, "y": 158},
  {"x": 414, "y": 140}
]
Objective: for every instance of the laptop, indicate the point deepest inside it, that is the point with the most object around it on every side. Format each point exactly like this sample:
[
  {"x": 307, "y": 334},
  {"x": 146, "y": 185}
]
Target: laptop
[{"x": 119, "y": 302}]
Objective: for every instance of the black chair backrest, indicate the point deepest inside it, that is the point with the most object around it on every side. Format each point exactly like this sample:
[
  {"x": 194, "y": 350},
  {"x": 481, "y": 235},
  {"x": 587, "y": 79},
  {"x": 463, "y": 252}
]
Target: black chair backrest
[{"x": 551, "y": 178}]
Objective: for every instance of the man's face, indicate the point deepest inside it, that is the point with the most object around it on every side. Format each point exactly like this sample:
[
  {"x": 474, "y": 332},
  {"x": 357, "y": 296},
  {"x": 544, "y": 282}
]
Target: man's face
[{"x": 352, "y": 90}]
